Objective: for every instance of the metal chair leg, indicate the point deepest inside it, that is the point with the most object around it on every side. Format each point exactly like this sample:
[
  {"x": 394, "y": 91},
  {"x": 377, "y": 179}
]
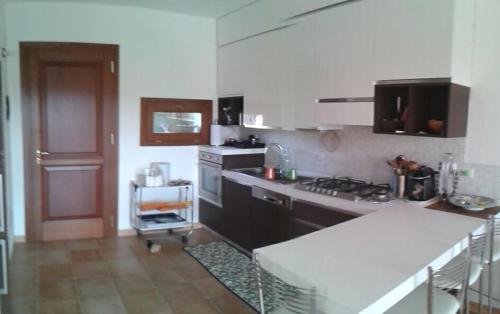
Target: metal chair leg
[
  {"x": 481, "y": 292},
  {"x": 259, "y": 283}
]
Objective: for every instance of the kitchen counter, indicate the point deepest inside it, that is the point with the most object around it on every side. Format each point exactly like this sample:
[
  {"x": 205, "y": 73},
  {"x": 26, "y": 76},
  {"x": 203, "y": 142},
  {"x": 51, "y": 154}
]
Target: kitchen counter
[
  {"x": 449, "y": 208},
  {"x": 357, "y": 208},
  {"x": 228, "y": 150},
  {"x": 368, "y": 264}
]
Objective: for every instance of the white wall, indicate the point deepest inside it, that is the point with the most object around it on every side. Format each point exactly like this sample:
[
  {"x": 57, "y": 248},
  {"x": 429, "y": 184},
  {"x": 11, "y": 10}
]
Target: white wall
[{"x": 161, "y": 55}]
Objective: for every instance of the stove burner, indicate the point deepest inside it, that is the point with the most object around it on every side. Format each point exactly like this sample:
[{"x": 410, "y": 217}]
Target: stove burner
[{"x": 348, "y": 188}]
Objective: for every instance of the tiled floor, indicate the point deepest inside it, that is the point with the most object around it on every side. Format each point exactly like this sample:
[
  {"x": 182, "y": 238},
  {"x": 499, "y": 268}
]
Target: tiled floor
[{"x": 107, "y": 276}]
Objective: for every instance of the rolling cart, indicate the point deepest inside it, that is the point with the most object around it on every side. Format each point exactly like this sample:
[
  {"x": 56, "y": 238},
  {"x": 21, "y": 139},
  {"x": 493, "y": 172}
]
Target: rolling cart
[{"x": 162, "y": 208}]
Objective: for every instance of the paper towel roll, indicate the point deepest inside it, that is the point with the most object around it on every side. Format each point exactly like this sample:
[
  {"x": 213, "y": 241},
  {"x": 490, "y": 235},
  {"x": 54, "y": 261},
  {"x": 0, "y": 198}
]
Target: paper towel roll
[{"x": 216, "y": 135}]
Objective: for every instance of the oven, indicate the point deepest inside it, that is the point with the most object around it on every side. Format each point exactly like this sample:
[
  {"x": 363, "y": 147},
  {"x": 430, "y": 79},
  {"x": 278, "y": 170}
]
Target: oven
[{"x": 210, "y": 178}]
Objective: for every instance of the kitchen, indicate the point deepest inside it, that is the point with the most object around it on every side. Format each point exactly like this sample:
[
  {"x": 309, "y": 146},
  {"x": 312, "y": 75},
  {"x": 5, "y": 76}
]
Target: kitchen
[{"x": 341, "y": 86}]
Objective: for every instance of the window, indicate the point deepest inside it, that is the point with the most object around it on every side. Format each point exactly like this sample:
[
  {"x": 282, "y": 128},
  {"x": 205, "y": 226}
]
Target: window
[{"x": 166, "y": 121}]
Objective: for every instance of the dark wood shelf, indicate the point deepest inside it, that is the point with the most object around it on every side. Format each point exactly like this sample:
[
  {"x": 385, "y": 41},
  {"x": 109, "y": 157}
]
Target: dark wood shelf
[{"x": 412, "y": 105}]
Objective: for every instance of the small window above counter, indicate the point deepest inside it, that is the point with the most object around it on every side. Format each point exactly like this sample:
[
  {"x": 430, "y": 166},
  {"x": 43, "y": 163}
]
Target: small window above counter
[
  {"x": 421, "y": 107},
  {"x": 168, "y": 121}
]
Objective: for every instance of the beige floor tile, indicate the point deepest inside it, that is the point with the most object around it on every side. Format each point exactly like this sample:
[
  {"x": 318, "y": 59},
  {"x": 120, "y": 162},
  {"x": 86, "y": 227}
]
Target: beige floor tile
[
  {"x": 147, "y": 302},
  {"x": 59, "y": 307},
  {"x": 22, "y": 289},
  {"x": 230, "y": 304},
  {"x": 113, "y": 242},
  {"x": 51, "y": 246},
  {"x": 107, "y": 305},
  {"x": 134, "y": 283},
  {"x": 52, "y": 257},
  {"x": 54, "y": 272},
  {"x": 125, "y": 266},
  {"x": 90, "y": 270},
  {"x": 96, "y": 287},
  {"x": 86, "y": 244},
  {"x": 165, "y": 278},
  {"x": 23, "y": 272},
  {"x": 203, "y": 307},
  {"x": 193, "y": 271},
  {"x": 209, "y": 287},
  {"x": 180, "y": 295},
  {"x": 58, "y": 290},
  {"x": 21, "y": 307},
  {"x": 119, "y": 252},
  {"x": 81, "y": 256}
]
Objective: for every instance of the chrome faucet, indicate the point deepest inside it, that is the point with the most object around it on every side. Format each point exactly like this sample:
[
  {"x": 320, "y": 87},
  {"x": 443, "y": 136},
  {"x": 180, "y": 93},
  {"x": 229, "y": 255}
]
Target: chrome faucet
[{"x": 280, "y": 148}]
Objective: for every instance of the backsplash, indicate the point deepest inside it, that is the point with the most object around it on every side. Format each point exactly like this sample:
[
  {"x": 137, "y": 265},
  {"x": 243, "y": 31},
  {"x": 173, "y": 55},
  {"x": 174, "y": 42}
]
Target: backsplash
[{"x": 362, "y": 154}]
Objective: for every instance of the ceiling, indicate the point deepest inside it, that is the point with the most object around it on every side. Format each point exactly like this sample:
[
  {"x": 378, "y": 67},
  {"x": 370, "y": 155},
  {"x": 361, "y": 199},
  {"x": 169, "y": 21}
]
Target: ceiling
[{"x": 207, "y": 8}]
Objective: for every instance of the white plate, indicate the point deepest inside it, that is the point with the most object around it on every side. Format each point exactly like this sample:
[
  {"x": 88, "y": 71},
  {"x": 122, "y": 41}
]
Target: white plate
[{"x": 472, "y": 202}]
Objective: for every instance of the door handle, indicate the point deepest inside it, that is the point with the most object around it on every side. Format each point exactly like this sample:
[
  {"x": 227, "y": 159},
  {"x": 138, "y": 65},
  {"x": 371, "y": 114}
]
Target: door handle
[{"x": 40, "y": 153}]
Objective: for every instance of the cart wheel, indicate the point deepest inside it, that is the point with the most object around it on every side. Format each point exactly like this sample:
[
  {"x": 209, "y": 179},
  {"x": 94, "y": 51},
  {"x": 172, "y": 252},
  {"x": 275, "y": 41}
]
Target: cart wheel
[
  {"x": 184, "y": 239},
  {"x": 149, "y": 244},
  {"x": 170, "y": 231}
]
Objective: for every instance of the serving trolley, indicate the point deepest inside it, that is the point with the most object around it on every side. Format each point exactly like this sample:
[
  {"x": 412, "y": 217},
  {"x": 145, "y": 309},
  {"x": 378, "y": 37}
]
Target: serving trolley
[{"x": 162, "y": 208}]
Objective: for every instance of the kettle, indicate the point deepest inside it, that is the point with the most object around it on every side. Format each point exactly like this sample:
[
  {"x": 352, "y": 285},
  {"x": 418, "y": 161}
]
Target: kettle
[{"x": 448, "y": 178}]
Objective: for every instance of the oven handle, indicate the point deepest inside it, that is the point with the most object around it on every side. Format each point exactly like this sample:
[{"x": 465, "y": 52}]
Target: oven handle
[{"x": 210, "y": 164}]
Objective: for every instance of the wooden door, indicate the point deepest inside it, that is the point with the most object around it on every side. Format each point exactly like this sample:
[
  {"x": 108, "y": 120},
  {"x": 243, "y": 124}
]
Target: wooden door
[{"x": 69, "y": 94}]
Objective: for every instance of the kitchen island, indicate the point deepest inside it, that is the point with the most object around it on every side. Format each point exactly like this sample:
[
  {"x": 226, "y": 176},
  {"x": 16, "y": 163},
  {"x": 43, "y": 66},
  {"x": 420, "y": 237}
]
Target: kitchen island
[{"x": 367, "y": 264}]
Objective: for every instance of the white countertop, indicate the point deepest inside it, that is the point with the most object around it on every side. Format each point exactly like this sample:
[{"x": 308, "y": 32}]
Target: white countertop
[
  {"x": 227, "y": 150},
  {"x": 367, "y": 264},
  {"x": 358, "y": 208}
]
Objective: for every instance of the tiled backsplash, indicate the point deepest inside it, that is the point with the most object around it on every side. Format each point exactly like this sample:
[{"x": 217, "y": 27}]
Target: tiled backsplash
[{"x": 362, "y": 154}]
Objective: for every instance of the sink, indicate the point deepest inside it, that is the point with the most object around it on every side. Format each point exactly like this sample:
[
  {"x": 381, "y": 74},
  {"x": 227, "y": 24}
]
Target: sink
[{"x": 258, "y": 172}]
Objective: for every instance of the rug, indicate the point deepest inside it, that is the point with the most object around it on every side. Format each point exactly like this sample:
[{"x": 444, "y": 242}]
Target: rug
[{"x": 234, "y": 270}]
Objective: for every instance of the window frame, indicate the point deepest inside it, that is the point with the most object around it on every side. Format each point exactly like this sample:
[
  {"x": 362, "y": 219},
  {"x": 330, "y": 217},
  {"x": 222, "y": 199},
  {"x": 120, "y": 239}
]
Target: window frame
[{"x": 151, "y": 105}]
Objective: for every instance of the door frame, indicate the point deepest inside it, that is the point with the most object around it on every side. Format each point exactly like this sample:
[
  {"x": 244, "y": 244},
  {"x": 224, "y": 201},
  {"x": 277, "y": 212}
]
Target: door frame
[{"x": 30, "y": 125}]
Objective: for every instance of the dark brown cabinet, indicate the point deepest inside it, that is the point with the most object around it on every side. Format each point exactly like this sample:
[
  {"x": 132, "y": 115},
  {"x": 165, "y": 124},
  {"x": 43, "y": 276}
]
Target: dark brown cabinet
[
  {"x": 428, "y": 107},
  {"x": 252, "y": 220},
  {"x": 271, "y": 223},
  {"x": 309, "y": 217},
  {"x": 237, "y": 204}
]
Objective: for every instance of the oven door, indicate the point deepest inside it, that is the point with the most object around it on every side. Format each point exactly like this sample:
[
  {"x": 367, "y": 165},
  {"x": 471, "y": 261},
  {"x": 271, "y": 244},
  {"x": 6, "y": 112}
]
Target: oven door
[{"x": 210, "y": 182}]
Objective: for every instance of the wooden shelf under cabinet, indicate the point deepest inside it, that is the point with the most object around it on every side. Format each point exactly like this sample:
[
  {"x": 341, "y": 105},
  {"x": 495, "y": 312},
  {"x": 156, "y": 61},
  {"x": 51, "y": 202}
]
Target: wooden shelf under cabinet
[{"x": 423, "y": 101}]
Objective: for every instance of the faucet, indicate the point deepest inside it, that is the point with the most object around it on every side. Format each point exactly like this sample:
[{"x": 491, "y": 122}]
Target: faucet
[{"x": 281, "y": 150}]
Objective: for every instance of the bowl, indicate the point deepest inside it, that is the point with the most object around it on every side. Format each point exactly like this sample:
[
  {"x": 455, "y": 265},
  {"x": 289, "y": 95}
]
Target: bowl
[{"x": 435, "y": 126}]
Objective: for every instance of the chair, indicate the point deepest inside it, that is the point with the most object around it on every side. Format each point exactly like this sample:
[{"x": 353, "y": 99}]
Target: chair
[
  {"x": 493, "y": 256},
  {"x": 446, "y": 291},
  {"x": 277, "y": 296}
]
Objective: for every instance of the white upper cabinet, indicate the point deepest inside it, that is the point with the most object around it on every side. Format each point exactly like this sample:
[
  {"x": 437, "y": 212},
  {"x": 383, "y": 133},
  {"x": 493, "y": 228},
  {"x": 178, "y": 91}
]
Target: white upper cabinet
[
  {"x": 344, "y": 41},
  {"x": 230, "y": 69},
  {"x": 261, "y": 106},
  {"x": 247, "y": 21},
  {"x": 296, "y": 78},
  {"x": 344, "y": 46},
  {"x": 483, "y": 131},
  {"x": 420, "y": 38},
  {"x": 264, "y": 15}
]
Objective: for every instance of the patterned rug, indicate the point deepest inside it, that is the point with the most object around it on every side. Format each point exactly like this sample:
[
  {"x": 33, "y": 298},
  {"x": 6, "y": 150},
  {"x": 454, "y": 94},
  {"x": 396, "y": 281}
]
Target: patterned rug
[{"x": 234, "y": 270}]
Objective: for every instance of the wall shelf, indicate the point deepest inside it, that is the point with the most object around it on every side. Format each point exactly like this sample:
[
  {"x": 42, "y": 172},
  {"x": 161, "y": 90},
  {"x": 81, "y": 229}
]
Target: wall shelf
[{"x": 423, "y": 107}]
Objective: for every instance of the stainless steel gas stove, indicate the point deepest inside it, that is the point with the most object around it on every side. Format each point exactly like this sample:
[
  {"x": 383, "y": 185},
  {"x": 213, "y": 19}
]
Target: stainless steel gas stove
[{"x": 349, "y": 189}]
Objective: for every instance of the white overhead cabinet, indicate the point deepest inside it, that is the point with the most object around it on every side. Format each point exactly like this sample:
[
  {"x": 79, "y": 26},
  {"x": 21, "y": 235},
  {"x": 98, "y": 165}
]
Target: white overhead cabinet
[
  {"x": 482, "y": 144},
  {"x": 282, "y": 65},
  {"x": 261, "y": 105},
  {"x": 344, "y": 46},
  {"x": 423, "y": 39},
  {"x": 230, "y": 74},
  {"x": 248, "y": 21}
]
